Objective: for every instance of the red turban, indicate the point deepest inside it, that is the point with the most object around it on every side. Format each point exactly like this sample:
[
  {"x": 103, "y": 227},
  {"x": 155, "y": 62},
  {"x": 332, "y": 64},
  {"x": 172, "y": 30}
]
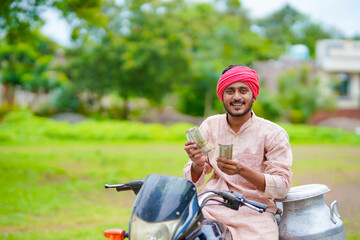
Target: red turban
[{"x": 238, "y": 74}]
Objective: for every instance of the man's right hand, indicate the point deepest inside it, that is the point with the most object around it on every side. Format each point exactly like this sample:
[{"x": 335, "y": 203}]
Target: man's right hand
[{"x": 195, "y": 153}]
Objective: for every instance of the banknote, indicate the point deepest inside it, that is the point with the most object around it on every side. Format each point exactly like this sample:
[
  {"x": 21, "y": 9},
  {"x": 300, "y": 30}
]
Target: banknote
[
  {"x": 225, "y": 151},
  {"x": 194, "y": 134}
]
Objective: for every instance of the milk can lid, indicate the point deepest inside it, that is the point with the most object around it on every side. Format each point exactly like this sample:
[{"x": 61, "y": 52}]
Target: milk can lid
[{"x": 305, "y": 192}]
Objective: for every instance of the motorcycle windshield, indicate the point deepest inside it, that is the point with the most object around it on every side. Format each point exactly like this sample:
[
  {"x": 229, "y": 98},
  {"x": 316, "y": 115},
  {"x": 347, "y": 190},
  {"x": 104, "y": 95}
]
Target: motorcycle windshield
[{"x": 163, "y": 198}]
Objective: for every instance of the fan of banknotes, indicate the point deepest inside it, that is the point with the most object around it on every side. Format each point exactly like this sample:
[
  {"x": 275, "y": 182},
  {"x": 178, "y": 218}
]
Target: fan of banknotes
[{"x": 194, "y": 134}]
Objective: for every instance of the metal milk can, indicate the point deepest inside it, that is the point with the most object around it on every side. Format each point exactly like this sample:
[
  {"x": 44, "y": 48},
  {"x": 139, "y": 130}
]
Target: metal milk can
[{"x": 306, "y": 215}]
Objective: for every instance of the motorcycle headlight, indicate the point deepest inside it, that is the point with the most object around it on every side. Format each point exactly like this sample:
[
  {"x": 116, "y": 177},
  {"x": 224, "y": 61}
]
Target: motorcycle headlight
[{"x": 142, "y": 230}]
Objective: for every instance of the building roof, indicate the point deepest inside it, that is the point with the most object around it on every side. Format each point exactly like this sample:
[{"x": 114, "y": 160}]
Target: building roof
[{"x": 338, "y": 55}]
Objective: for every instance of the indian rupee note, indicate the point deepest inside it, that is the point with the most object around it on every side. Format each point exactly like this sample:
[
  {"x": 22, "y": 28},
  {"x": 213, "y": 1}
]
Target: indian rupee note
[
  {"x": 225, "y": 151},
  {"x": 194, "y": 134}
]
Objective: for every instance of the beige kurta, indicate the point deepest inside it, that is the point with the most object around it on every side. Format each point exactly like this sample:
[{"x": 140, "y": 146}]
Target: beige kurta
[{"x": 261, "y": 145}]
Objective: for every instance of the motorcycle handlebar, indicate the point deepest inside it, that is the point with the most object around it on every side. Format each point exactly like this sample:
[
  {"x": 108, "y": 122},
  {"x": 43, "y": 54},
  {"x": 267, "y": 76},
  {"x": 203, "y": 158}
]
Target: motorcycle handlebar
[
  {"x": 260, "y": 206},
  {"x": 233, "y": 200},
  {"x": 251, "y": 204},
  {"x": 227, "y": 196},
  {"x": 134, "y": 185},
  {"x": 119, "y": 187}
]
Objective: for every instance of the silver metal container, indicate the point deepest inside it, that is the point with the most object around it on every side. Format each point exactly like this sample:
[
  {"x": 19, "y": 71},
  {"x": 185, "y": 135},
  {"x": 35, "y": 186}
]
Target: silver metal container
[{"x": 306, "y": 215}]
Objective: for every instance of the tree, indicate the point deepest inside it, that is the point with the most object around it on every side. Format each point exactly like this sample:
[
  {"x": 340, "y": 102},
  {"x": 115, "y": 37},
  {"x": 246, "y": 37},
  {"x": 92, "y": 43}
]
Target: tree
[
  {"x": 19, "y": 18},
  {"x": 218, "y": 38},
  {"x": 141, "y": 52},
  {"x": 300, "y": 96},
  {"x": 288, "y": 26},
  {"x": 27, "y": 66},
  {"x": 25, "y": 54}
]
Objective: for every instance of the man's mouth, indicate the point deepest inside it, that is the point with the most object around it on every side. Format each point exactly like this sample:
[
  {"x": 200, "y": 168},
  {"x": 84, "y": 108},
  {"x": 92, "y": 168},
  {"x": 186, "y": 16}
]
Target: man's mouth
[{"x": 237, "y": 104}]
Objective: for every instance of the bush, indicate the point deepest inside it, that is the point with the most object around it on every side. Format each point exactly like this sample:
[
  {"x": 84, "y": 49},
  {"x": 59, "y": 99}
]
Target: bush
[
  {"x": 297, "y": 116},
  {"x": 267, "y": 107},
  {"x": 304, "y": 134},
  {"x": 300, "y": 95},
  {"x": 67, "y": 99},
  {"x": 22, "y": 126},
  {"x": 5, "y": 108}
]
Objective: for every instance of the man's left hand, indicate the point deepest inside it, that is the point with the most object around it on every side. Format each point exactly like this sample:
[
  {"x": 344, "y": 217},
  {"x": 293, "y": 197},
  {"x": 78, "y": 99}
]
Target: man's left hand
[{"x": 228, "y": 166}]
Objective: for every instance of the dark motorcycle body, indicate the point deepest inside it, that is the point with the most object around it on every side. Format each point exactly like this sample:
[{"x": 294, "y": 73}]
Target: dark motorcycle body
[{"x": 168, "y": 208}]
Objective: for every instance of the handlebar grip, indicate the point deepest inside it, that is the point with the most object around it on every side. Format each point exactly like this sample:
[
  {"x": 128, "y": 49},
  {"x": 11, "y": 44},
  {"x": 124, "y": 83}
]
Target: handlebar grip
[
  {"x": 134, "y": 185},
  {"x": 228, "y": 196},
  {"x": 256, "y": 204},
  {"x": 119, "y": 187}
]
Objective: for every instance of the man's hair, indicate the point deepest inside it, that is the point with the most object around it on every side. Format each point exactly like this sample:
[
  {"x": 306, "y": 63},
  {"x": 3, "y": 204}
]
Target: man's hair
[{"x": 228, "y": 68}]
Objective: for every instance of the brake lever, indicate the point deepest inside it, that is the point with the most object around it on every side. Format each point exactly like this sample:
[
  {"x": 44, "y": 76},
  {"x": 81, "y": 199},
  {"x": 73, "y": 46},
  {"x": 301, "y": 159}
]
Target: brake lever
[
  {"x": 259, "y": 207},
  {"x": 230, "y": 200},
  {"x": 134, "y": 185}
]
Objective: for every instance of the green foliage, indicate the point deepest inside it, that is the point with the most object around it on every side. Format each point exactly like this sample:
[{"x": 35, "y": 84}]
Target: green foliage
[
  {"x": 67, "y": 99},
  {"x": 27, "y": 65},
  {"x": 300, "y": 133},
  {"x": 164, "y": 46},
  {"x": 95, "y": 68},
  {"x": 147, "y": 57},
  {"x": 26, "y": 56},
  {"x": 300, "y": 96},
  {"x": 18, "y": 62},
  {"x": 266, "y": 107},
  {"x": 288, "y": 26},
  {"x": 23, "y": 127},
  {"x": 18, "y": 18},
  {"x": 192, "y": 96},
  {"x": 217, "y": 39},
  {"x": 6, "y": 108},
  {"x": 146, "y": 49},
  {"x": 297, "y": 116}
]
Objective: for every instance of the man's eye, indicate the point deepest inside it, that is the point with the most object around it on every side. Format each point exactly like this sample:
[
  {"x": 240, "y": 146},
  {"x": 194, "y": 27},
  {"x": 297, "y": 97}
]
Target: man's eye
[
  {"x": 244, "y": 90},
  {"x": 229, "y": 91}
]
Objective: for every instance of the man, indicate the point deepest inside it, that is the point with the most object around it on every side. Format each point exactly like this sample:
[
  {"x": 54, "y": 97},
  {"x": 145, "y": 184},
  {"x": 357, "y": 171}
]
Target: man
[{"x": 260, "y": 166}]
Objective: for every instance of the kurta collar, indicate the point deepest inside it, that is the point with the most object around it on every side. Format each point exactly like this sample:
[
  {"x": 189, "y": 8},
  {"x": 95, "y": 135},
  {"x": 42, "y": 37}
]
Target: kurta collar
[{"x": 246, "y": 125}]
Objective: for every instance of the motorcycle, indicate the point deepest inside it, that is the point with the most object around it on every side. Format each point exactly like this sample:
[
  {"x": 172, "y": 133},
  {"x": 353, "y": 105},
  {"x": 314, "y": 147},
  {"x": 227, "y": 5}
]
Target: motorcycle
[{"x": 168, "y": 207}]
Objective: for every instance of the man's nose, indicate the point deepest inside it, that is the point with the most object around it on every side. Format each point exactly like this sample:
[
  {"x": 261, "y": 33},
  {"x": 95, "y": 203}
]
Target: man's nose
[{"x": 237, "y": 95}]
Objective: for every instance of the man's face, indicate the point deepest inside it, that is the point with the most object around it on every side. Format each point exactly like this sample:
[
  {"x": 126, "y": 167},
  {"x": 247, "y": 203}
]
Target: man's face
[{"x": 238, "y": 99}]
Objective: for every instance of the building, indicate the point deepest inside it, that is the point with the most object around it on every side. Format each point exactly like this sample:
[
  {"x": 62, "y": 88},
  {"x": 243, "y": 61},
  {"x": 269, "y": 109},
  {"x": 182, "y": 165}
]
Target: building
[{"x": 338, "y": 64}]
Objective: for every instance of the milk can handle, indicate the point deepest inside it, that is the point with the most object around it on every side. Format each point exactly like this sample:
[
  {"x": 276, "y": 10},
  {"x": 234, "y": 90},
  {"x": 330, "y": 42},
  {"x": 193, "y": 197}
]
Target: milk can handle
[{"x": 334, "y": 209}]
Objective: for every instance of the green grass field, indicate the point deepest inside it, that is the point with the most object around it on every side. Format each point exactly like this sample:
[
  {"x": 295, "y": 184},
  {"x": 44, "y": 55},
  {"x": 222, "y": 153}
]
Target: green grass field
[
  {"x": 54, "y": 188},
  {"x": 57, "y": 191}
]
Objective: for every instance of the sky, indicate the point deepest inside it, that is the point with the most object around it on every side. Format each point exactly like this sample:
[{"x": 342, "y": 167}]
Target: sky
[{"x": 344, "y": 15}]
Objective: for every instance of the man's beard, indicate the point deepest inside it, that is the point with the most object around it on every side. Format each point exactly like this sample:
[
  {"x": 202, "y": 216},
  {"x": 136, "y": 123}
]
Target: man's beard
[{"x": 238, "y": 114}]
